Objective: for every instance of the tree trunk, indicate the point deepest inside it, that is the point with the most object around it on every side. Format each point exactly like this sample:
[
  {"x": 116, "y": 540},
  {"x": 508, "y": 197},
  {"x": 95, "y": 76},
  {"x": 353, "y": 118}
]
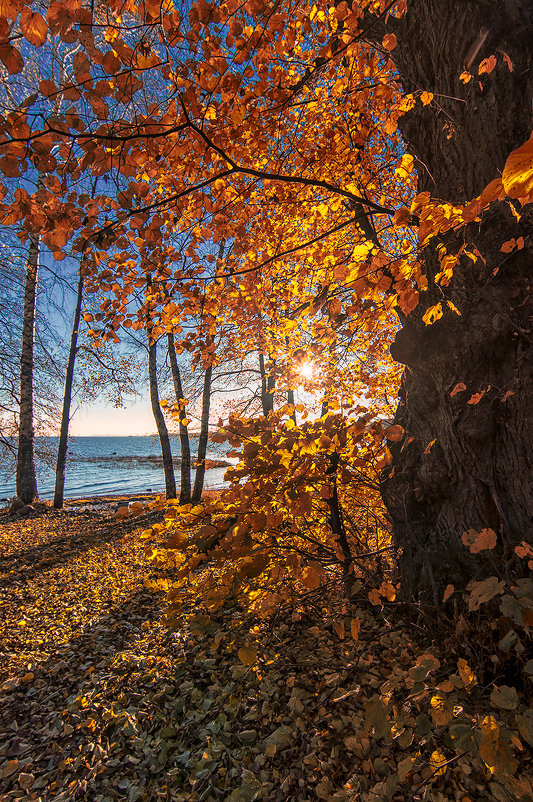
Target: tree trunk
[
  {"x": 290, "y": 393},
  {"x": 26, "y": 480},
  {"x": 465, "y": 465},
  {"x": 204, "y": 435},
  {"x": 67, "y": 397},
  {"x": 185, "y": 470},
  {"x": 168, "y": 468},
  {"x": 268, "y": 384}
]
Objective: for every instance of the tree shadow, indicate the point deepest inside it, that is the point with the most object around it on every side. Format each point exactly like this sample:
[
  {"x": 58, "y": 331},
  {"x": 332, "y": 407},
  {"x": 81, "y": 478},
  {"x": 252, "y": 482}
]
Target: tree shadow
[
  {"x": 93, "y": 529},
  {"x": 34, "y": 705}
]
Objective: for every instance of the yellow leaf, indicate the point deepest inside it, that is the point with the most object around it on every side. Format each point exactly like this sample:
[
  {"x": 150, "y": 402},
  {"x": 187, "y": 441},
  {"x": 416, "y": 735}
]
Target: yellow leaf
[
  {"x": 432, "y": 314},
  {"x": 441, "y": 710},
  {"x": 494, "y": 749},
  {"x": 436, "y": 760},
  {"x": 247, "y": 655},
  {"x": 426, "y": 98},
  {"x": 453, "y": 308},
  {"x": 465, "y": 672}
]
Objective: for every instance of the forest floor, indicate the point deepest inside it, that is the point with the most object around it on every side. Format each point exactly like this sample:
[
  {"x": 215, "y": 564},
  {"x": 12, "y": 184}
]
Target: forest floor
[{"x": 101, "y": 701}]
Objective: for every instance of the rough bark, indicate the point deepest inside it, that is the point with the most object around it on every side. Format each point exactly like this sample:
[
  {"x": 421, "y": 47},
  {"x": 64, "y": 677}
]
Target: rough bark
[
  {"x": 477, "y": 473},
  {"x": 185, "y": 468},
  {"x": 204, "y": 435},
  {"x": 26, "y": 480},
  {"x": 67, "y": 398},
  {"x": 162, "y": 431}
]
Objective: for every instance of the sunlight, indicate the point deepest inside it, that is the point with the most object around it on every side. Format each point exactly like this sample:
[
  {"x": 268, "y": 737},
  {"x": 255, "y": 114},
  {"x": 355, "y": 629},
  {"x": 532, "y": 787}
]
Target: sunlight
[{"x": 307, "y": 370}]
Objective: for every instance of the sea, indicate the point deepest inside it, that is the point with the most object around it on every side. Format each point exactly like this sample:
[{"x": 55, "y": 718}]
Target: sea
[{"x": 106, "y": 466}]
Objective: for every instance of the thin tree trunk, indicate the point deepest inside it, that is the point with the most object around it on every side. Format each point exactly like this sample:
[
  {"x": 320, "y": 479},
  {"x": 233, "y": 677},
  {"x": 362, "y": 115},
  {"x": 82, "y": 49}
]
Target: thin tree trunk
[
  {"x": 290, "y": 400},
  {"x": 185, "y": 469},
  {"x": 204, "y": 435},
  {"x": 465, "y": 462},
  {"x": 166, "y": 453},
  {"x": 26, "y": 480},
  {"x": 336, "y": 521},
  {"x": 67, "y": 397},
  {"x": 290, "y": 392},
  {"x": 268, "y": 384}
]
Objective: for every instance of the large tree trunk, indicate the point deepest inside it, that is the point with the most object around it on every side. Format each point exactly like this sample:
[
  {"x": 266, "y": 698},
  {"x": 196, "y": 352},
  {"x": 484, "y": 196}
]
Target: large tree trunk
[
  {"x": 204, "y": 436},
  {"x": 26, "y": 480},
  {"x": 477, "y": 473},
  {"x": 166, "y": 453},
  {"x": 67, "y": 397},
  {"x": 185, "y": 469}
]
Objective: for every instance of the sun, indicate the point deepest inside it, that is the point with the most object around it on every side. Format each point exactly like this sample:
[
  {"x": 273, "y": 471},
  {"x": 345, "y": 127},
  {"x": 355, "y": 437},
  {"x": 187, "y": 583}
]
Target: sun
[{"x": 307, "y": 370}]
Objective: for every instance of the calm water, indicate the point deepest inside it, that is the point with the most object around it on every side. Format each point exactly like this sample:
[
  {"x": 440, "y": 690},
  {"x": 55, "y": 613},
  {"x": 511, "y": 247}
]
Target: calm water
[{"x": 100, "y": 466}]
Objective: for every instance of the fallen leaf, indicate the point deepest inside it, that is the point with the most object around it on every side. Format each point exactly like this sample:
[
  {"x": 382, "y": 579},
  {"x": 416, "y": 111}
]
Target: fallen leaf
[{"x": 247, "y": 655}]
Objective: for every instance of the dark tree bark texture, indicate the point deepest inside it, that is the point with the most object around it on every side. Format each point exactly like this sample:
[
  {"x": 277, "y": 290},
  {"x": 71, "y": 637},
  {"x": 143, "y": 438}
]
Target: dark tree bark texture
[
  {"x": 166, "y": 453},
  {"x": 199, "y": 476},
  {"x": 477, "y": 473},
  {"x": 26, "y": 480},
  {"x": 62, "y": 448},
  {"x": 185, "y": 468}
]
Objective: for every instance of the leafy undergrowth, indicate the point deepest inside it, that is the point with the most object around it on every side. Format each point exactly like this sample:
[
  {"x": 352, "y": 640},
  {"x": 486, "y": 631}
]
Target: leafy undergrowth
[{"x": 331, "y": 701}]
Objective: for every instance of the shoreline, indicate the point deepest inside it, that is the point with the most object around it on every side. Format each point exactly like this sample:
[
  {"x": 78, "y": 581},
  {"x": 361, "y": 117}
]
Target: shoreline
[{"x": 94, "y": 503}]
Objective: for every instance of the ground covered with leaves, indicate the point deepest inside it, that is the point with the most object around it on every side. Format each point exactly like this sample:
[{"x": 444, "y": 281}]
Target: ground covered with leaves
[{"x": 331, "y": 699}]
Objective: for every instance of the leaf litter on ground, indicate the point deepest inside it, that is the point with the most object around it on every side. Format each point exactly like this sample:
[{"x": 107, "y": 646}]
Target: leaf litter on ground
[{"x": 100, "y": 700}]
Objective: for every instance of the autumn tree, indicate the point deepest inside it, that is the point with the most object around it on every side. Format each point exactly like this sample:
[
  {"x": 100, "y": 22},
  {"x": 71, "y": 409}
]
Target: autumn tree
[{"x": 296, "y": 134}]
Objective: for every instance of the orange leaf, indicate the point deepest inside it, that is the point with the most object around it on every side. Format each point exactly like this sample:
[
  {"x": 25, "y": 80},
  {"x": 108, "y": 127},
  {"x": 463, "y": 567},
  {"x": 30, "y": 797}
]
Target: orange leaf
[
  {"x": 517, "y": 174},
  {"x": 481, "y": 592},
  {"x": 476, "y": 398},
  {"x": 355, "y": 628},
  {"x": 426, "y": 98},
  {"x": 465, "y": 77},
  {"x": 487, "y": 65},
  {"x": 247, "y": 655},
  {"x": 10, "y": 8},
  {"x": 508, "y": 246},
  {"x": 479, "y": 541},
  {"x": 458, "y": 389},
  {"x": 374, "y": 596},
  {"x": 389, "y": 41},
  {"x": 394, "y": 433},
  {"x": 33, "y": 26},
  {"x": 11, "y": 58},
  {"x": 448, "y": 592}
]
